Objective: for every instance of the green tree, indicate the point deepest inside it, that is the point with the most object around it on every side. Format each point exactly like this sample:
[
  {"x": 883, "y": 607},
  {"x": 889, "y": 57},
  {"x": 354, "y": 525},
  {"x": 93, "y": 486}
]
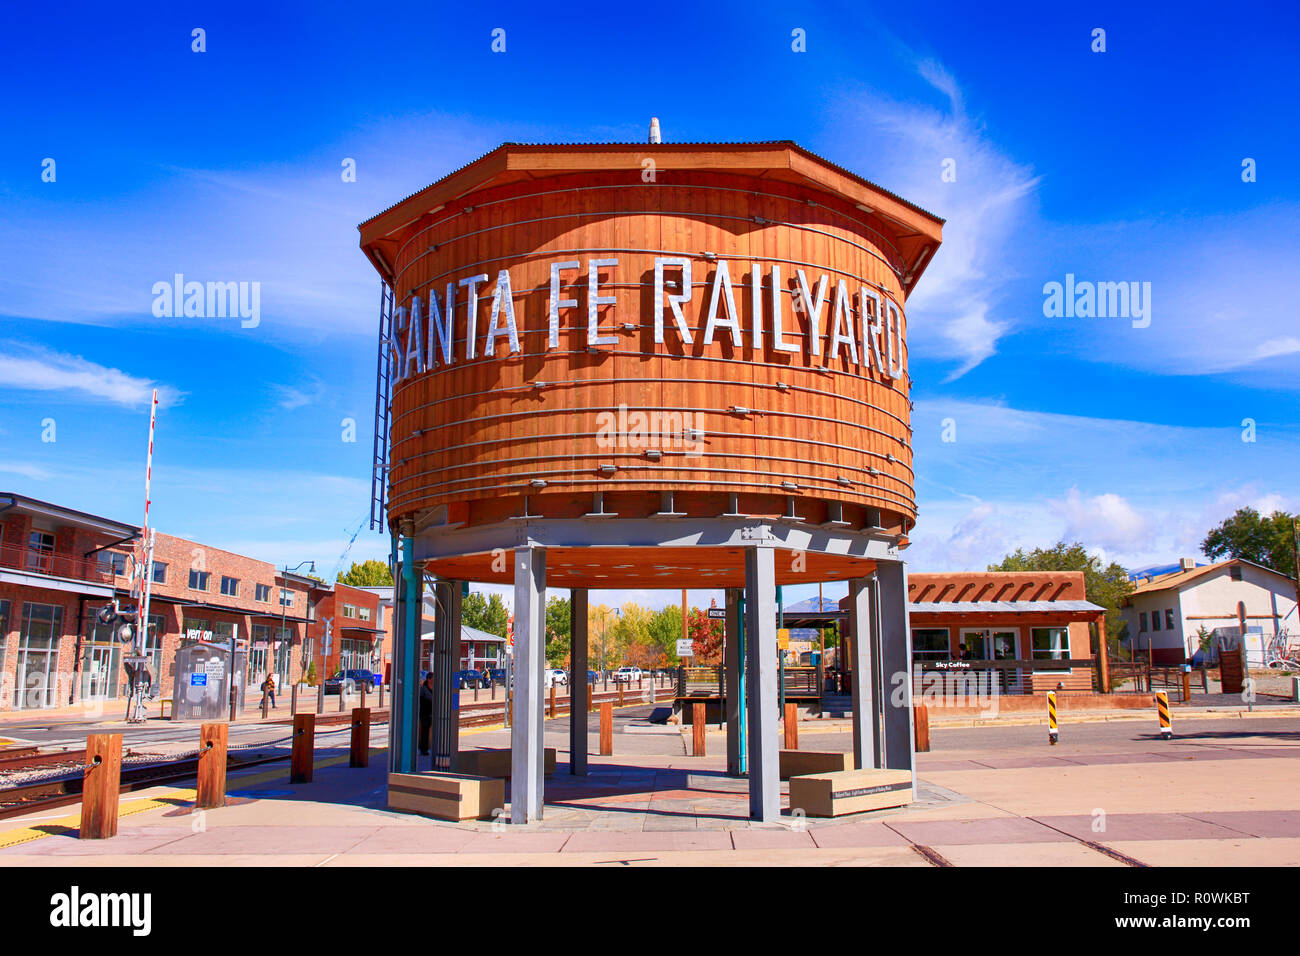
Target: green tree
[
  {"x": 370, "y": 573},
  {"x": 1268, "y": 541},
  {"x": 665, "y": 630},
  {"x": 557, "y": 631},
  {"x": 1105, "y": 586},
  {"x": 485, "y": 613}
]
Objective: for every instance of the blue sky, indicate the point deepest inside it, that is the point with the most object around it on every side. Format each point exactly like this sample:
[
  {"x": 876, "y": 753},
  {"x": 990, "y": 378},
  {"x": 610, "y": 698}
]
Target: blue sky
[{"x": 225, "y": 165}]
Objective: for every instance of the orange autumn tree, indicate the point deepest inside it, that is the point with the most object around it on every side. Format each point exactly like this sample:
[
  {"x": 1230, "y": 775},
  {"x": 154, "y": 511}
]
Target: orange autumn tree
[{"x": 706, "y": 637}]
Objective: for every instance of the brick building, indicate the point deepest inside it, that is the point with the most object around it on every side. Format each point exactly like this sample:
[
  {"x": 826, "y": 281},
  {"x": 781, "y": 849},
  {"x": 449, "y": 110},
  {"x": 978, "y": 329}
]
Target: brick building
[
  {"x": 59, "y": 566},
  {"x": 356, "y": 629}
]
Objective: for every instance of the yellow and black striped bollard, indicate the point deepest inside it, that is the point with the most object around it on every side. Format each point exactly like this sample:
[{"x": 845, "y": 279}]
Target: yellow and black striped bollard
[
  {"x": 1052, "y": 732},
  {"x": 1162, "y": 710}
]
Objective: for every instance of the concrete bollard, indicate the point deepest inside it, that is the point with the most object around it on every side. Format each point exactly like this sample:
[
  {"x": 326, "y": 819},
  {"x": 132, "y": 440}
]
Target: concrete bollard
[
  {"x": 607, "y": 729},
  {"x": 1052, "y": 733},
  {"x": 1162, "y": 714},
  {"x": 359, "y": 753},
  {"x": 101, "y": 782},
  {"x": 213, "y": 739},
  {"x": 304, "y": 747}
]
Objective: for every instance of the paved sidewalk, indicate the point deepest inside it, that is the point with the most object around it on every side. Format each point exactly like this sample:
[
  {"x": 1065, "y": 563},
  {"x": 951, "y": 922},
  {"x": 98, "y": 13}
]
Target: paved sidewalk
[{"x": 1108, "y": 795}]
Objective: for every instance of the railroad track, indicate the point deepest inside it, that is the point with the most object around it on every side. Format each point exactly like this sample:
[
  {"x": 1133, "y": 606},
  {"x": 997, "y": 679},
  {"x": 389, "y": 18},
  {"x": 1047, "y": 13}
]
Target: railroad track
[{"x": 65, "y": 791}]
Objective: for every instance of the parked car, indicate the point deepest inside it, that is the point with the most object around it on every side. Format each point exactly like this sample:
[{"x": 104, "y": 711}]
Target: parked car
[
  {"x": 350, "y": 681},
  {"x": 470, "y": 678},
  {"x": 593, "y": 678},
  {"x": 554, "y": 676},
  {"x": 496, "y": 674},
  {"x": 627, "y": 675}
]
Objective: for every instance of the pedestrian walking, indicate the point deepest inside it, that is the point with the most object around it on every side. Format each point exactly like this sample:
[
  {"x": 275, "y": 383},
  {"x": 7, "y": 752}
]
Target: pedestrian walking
[
  {"x": 426, "y": 712},
  {"x": 268, "y": 688}
]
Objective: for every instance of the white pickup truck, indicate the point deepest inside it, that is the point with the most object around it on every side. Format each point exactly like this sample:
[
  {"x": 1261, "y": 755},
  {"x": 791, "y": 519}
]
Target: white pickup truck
[{"x": 627, "y": 675}]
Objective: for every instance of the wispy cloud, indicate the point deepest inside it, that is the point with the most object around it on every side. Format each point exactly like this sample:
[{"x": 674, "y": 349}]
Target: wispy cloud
[
  {"x": 988, "y": 196},
  {"x": 290, "y": 397},
  {"x": 38, "y": 369}
]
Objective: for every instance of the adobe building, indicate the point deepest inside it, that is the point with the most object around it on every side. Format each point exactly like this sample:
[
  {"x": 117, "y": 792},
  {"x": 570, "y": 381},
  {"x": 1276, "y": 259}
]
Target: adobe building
[
  {"x": 1004, "y": 634},
  {"x": 1166, "y": 612},
  {"x": 636, "y": 365}
]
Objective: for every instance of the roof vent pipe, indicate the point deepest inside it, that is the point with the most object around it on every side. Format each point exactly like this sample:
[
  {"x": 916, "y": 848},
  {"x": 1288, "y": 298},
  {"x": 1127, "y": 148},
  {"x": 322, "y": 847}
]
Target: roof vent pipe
[{"x": 654, "y": 130}]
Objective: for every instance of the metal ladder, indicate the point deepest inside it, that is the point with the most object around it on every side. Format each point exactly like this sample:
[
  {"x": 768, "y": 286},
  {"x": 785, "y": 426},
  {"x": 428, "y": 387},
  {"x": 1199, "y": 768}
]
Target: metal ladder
[{"x": 383, "y": 409}]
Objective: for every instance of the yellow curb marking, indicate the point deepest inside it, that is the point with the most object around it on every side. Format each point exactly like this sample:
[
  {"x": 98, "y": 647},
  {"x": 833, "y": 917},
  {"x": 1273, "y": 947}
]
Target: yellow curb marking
[{"x": 71, "y": 823}]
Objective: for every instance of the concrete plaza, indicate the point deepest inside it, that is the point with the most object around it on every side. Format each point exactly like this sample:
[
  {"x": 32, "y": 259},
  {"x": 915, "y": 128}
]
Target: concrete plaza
[{"x": 1221, "y": 793}]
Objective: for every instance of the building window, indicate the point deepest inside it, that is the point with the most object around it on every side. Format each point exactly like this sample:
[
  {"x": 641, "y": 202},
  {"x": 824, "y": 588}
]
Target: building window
[
  {"x": 264, "y": 592},
  {"x": 363, "y": 613},
  {"x": 1155, "y": 620},
  {"x": 1169, "y": 619},
  {"x": 930, "y": 644},
  {"x": 1050, "y": 643},
  {"x": 112, "y": 561},
  {"x": 38, "y": 651},
  {"x": 199, "y": 580},
  {"x": 229, "y": 586},
  {"x": 1234, "y": 573},
  {"x": 1142, "y": 622},
  {"x": 4, "y": 636},
  {"x": 286, "y": 598},
  {"x": 349, "y": 610},
  {"x": 40, "y": 551},
  {"x": 159, "y": 573}
]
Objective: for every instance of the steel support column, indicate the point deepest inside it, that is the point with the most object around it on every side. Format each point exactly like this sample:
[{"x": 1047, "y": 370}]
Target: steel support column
[
  {"x": 761, "y": 664},
  {"x": 731, "y": 671},
  {"x": 406, "y": 653},
  {"x": 446, "y": 661},
  {"x": 895, "y": 657},
  {"x": 578, "y": 682},
  {"x": 527, "y": 765},
  {"x": 863, "y": 686}
]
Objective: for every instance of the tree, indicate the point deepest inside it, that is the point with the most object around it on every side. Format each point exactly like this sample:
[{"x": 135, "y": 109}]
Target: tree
[
  {"x": 706, "y": 637},
  {"x": 370, "y": 573},
  {"x": 1268, "y": 541},
  {"x": 557, "y": 631},
  {"x": 1106, "y": 586},
  {"x": 485, "y": 613},
  {"x": 665, "y": 630}
]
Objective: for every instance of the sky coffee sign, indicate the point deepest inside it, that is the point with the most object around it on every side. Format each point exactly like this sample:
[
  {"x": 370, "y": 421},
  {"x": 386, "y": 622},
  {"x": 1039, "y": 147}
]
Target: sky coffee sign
[{"x": 824, "y": 321}]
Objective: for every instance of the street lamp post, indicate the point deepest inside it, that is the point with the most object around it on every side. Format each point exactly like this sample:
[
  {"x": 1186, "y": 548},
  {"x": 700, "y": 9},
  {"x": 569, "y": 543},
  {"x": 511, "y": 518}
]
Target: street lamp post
[{"x": 293, "y": 693}]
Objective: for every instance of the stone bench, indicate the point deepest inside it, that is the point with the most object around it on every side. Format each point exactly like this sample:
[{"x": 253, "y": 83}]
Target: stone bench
[
  {"x": 796, "y": 763},
  {"x": 446, "y": 796},
  {"x": 496, "y": 763},
  {"x": 850, "y": 791}
]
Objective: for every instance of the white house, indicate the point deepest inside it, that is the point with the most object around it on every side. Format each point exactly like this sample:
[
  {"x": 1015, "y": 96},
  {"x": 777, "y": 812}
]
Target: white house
[{"x": 1165, "y": 611}]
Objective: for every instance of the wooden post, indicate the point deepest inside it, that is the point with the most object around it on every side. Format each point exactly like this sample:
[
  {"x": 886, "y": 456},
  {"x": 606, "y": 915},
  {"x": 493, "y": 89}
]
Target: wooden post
[
  {"x": 101, "y": 780},
  {"x": 293, "y": 699},
  {"x": 212, "y": 766},
  {"x": 1103, "y": 655},
  {"x": 1187, "y": 686},
  {"x": 698, "y": 726},
  {"x": 551, "y": 703},
  {"x": 590, "y": 699},
  {"x": 921, "y": 719},
  {"x": 621, "y": 685},
  {"x": 359, "y": 756},
  {"x": 363, "y": 697},
  {"x": 304, "y": 745},
  {"x": 607, "y": 729},
  {"x": 791, "y": 727}
]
